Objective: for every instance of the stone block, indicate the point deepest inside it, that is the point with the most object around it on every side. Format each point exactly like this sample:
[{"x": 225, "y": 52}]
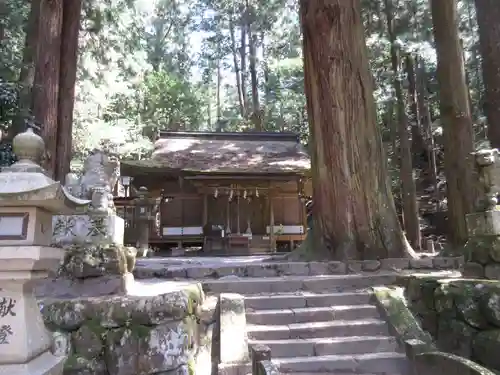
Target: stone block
[
  {"x": 422, "y": 263},
  {"x": 140, "y": 349},
  {"x": 88, "y": 261},
  {"x": 391, "y": 264},
  {"x": 327, "y": 268},
  {"x": 492, "y": 271},
  {"x": 483, "y": 223},
  {"x": 87, "y": 229},
  {"x": 233, "y": 334},
  {"x": 371, "y": 265},
  {"x": 473, "y": 270},
  {"x": 444, "y": 263}
]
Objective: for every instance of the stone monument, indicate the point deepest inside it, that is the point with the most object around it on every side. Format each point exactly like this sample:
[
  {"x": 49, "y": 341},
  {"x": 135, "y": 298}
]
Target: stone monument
[
  {"x": 95, "y": 262},
  {"x": 482, "y": 251},
  {"x": 28, "y": 199}
]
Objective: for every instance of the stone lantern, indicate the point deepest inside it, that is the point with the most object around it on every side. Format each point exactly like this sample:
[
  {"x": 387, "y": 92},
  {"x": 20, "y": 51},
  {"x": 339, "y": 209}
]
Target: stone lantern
[
  {"x": 144, "y": 215},
  {"x": 28, "y": 199}
]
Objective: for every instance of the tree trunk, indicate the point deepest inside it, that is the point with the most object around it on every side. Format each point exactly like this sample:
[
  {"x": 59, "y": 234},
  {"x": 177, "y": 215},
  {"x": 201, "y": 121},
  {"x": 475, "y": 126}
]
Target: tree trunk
[
  {"x": 69, "y": 58},
  {"x": 243, "y": 58},
  {"x": 236, "y": 67},
  {"x": 252, "y": 37},
  {"x": 354, "y": 213},
  {"x": 455, "y": 118},
  {"x": 219, "y": 82},
  {"x": 27, "y": 74},
  {"x": 488, "y": 16},
  {"x": 46, "y": 93},
  {"x": 408, "y": 190},
  {"x": 418, "y": 143},
  {"x": 426, "y": 121}
]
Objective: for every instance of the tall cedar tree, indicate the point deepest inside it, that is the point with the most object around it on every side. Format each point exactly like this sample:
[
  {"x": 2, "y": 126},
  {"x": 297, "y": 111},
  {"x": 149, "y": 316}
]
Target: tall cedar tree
[
  {"x": 354, "y": 212},
  {"x": 488, "y": 17},
  {"x": 455, "y": 117},
  {"x": 46, "y": 88},
  {"x": 72, "y": 10}
]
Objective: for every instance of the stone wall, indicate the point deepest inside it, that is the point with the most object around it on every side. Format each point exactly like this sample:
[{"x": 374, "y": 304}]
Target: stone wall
[
  {"x": 163, "y": 334},
  {"x": 463, "y": 315},
  {"x": 482, "y": 257}
]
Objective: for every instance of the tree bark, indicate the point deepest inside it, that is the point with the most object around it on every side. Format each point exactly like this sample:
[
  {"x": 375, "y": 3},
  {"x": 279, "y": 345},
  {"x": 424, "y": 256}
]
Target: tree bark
[
  {"x": 455, "y": 118},
  {"x": 354, "y": 213},
  {"x": 46, "y": 93},
  {"x": 243, "y": 57},
  {"x": 425, "y": 120},
  {"x": 488, "y": 16},
  {"x": 254, "y": 80},
  {"x": 72, "y": 11},
  {"x": 236, "y": 68},
  {"x": 408, "y": 189},
  {"x": 27, "y": 74}
]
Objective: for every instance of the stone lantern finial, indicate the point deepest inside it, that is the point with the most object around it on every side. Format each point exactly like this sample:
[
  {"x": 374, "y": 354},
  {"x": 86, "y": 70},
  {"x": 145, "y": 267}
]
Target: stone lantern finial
[{"x": 28, "y": 146}]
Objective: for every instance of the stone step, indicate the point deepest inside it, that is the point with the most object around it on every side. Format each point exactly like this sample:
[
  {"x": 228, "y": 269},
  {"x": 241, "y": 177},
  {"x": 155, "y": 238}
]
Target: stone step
[
  {"x": 306, "y": 299},
  {"x": 378, "y": 363},
  {"x": 329, "y": 346},
  {"x": 194, "y": 268},
  {"x": 336, "y": 328},
  {"x": 311, "y": 314},
  {"x": 289, "y": 284}
]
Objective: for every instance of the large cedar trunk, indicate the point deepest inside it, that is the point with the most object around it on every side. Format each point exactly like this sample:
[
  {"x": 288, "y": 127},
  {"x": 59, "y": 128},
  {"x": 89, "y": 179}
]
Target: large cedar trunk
[
  {"x": 354, "y": 213},
  {"x": 69, "y": 58},
  {"x": 488, "y": 17},
  {"x": 455, "y": 118},
  {"x": 46, "y": 92}
]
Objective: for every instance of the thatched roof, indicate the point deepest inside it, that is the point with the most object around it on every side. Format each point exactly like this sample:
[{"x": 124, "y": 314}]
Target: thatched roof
[{"x": 251, "y": 153}]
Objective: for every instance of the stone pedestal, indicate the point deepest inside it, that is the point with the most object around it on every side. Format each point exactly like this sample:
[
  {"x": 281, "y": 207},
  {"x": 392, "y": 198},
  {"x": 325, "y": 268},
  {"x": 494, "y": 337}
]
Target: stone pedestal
[
  {"x": 96, "y": 263},
  {"x": 88, "y": 229},
  {"x": 23, "y": 336}
]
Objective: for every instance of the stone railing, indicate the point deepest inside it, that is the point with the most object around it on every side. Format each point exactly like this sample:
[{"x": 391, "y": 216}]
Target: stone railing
[
  {"x": 463, "y": 316},
  {"x": 425, "y": 357},
  {"x": 261, "y": 360}
]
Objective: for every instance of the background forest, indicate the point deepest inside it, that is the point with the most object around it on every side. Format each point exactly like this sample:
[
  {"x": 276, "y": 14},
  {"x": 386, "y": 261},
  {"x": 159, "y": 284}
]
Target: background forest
[{"x": 222, "y": 65}]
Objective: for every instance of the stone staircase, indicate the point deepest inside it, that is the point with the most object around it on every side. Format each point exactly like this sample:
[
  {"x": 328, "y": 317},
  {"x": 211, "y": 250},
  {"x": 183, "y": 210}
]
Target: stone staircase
[
  {"x": 317, "y": 317},
  {"x": 317, "y": 324}
]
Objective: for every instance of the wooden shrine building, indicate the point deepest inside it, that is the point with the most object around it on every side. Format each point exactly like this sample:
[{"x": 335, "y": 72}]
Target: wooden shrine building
[{"x": 226, "y": 192}]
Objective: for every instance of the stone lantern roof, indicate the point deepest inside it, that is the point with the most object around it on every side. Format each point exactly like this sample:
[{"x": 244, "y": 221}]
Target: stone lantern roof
[{"x": 26, "y": 183}]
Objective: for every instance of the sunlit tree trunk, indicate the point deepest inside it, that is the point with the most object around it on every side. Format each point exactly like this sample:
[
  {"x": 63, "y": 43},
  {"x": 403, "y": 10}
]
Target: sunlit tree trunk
[
  {"x": 354, "y": 213},
  {"x": 455, "y": 118},
  {"x": 69, "y": 57}
]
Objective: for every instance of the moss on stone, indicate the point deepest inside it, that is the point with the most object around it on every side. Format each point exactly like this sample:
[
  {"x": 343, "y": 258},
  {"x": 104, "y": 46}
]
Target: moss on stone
[
  {"x": 139, "y": 331},
  {"x": 392, "y": 301}
]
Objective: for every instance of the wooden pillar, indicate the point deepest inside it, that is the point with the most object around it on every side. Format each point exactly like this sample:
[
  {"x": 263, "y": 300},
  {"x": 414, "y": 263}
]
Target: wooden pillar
[
  {"x": 181, "y": 183},
  {"x": 271, "y": 223},
  {"x": 228, "y": 218},
  {"x": 238, "y": 228},
  {"x": 205, "y": 209}
]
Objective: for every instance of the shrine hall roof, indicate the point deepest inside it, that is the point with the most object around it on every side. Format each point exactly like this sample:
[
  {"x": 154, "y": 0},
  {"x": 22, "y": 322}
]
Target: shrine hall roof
[{"x": 224, "y": 152}]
